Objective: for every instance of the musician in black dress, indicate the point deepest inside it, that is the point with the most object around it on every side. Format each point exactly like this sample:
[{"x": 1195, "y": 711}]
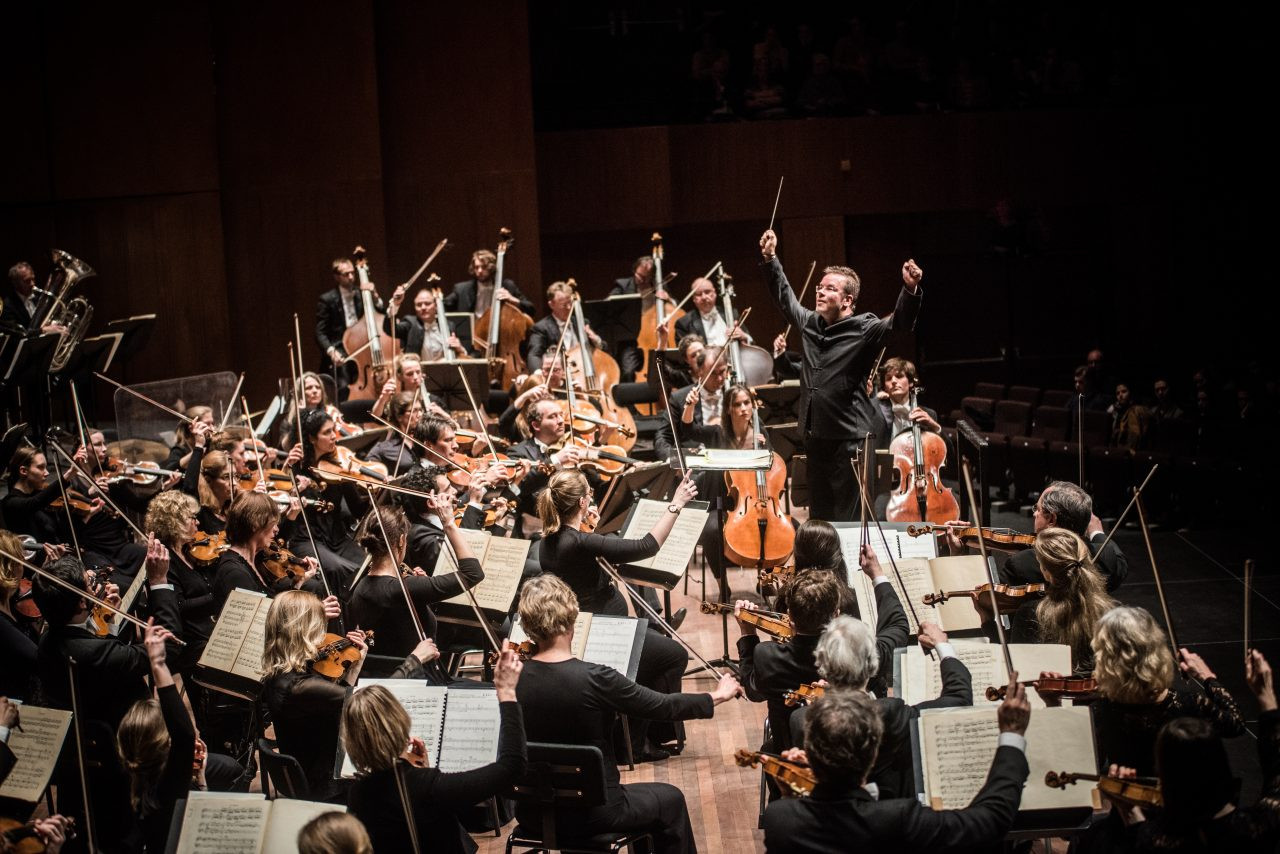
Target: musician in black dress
[
  {"x": 839, "y": 350},
  {"x": 26, "y": 504},
  {"x": 568, "y": 701},
  {"x": 252, "y": 525}
]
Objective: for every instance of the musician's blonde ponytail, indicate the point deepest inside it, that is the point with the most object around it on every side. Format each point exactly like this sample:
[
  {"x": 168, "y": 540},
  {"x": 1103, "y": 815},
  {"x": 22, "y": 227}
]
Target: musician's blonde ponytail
[{"x": 558, "y": 502}]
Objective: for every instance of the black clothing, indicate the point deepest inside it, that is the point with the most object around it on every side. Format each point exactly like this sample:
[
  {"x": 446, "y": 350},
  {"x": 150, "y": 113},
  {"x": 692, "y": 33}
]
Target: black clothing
[
  {"x": 691, "y": 324},
  {"x": 630, "y": 356},
  {"x": 409, "y": 330},
  {"x": 232, "y": 571},
  {"x": 155, "y": 812},
  {"x": 388, "y": 450},
  {"x": 18, "y": 647},
  {"x": 30, "y": 514},
  {"x": 425, "y": 538},
  {"x": 834, "y": 410},
  {"x": 573, "y": 702},
  {"x": 208, "y": 522},
  {"x": 543, "y": 337},
  {"x": 462, "y": 298},
  {"x": 1126, "y": 732},
  {"x": 535, "y": 481},
  {"x": 571, "y": 554},
  {"x": 111, "y": 675},
  {"x": 1022, "y": 567},
  {"x": 377, "y": 604},
  {"x": 691, "y": 435},
  {"x": 841, "y": 818},
  {"x": 331, "y": 325},
  {"x": 436, "y": 796},
  {"x": 338, "y": 553}
]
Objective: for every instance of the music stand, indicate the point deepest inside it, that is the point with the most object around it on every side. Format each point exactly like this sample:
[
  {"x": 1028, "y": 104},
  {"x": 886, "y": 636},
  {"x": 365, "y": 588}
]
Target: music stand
[
  {"x": 365, "y": 439},
  {"x": 462, "y": 324},
  {"x": 30, "y": 360},
  {"x": 92, "y": 354},
  {"x": 135, "y": 332},
  {"x": 615, "y": 319},
  {"x": 444, "y": 380},
  {"x": 781, "y": 402},
  {"x": 642, "y": 481}
]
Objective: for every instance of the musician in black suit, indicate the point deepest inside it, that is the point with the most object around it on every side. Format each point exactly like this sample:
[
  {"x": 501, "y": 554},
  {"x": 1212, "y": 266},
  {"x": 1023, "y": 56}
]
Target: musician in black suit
[
  {"x": 842, "y": 735},
  {"x": 695, "y": 413},
  {"x": 547, "y": 426},
  {"x": 549, "y": 331},
  {"x": 705, "y": 319},
  {"x": 630, "y": 358},
  {"x": 420, "y": 333},
  {"x": 848, "y": 658},
  {"x": 20, "y": 301},
  {"x": 898, "y": 380},
  {"x": 336, "y": 311},
  {"x": 478, "y": 293},
  {"x": 839, "y": 349}
]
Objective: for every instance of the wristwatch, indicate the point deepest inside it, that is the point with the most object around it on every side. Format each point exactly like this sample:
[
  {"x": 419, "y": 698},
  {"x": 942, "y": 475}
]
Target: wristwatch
[{"x": 671, "y": 508}]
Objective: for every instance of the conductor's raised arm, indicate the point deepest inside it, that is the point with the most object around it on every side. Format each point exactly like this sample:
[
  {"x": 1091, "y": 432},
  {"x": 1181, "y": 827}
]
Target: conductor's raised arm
[{"x": 779, "y": 287}]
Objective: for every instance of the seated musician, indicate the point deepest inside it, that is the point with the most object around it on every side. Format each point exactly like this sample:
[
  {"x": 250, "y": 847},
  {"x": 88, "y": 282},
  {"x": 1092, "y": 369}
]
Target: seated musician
[
  {"x": 570, "y": 553},
  {"x": 315, "y": 395},
  {"x": 173, "y": 518},
  {"x": 478, "y": 293},
  {"x": 375, "y": 734},
  {"x": 334, "y": 833},
  {"x": 547, "y": 428},
  {"x": 105, "y": 537},
  {"x": 438, "y": 436},
  {"x": 893, "y": 402},
  {"x": 426, "y": 525},
  {"x": 630, "y": 357},
  {"x": 420, "y": 333},
  {"x": 377, "y": 603},
  {"x": 817, "y": 548},
  {"x": 407, "y": 379},
  {"x": 706, "y": 320},
  {"x": 1075, "y": 599},
  {"x": 557, "y": 325},
  {"x": 215, "y": 489},
  {"x": 1199, "y": 791},
  {"x": 305, "y": 707},
  {"x": 697, "y": 413},
  {"x": 568, "y": 701},
  {"x": 180, "y": 454},
  {"x": 678, "y": 374},
  {"x": 393, "y": 452},
  {"x": 1064, "y": 505},
  {"x": 847, "y": 659},
  {"x": 843, "y": 732},
  {"x": 26, "y": 505},
  {"x": 545, "y": 383},
  {"x": 327, "y": 536},
  {"x": 18, "y": 635},
  {"x": 253, "y": 525},
  {"x": 1135, "y": 671}
]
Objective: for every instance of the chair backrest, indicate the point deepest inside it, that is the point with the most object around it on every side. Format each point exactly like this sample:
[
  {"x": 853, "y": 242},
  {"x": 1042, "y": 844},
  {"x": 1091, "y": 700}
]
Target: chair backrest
[
  {"x": 995, "y": 391},
  {"x": 283, "y": 771},
  {"x": 1025, "y": 393},
  {"x": 566, "y": 777},
  {"x": 1097, "y": 427},
  {"x": 1055, "y": 397},
  {"x": 1012, "y": 417},
  {"x": 1050, "y": 422}
]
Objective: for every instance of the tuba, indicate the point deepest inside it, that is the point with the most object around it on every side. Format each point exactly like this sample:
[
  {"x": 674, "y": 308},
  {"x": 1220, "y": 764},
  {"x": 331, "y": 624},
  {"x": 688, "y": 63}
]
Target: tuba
[{"x": 73, "y": 316}]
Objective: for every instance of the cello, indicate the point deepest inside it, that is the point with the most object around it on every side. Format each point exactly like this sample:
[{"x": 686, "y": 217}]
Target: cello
[
  {"x": 498, "y": 332},
  {"x": 598, "y": 373},
  {"x": 365, "y": 341},
  {"x": 756, "y": 531},
  {"x": 918, "y": 458}
]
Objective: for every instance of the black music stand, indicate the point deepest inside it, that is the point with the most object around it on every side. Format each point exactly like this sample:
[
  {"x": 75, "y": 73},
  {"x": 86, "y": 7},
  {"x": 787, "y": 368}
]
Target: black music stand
[
  {"x": 615, "y": 319},
  {"x": 781, "y": 402},
  {"x": 29, "y": 361},
  {"x": 92, "y": 354},
  {"x": 135, "y": 333},
  {"x": 650, "y": 480},
  {"x": 444, "y": 380}
]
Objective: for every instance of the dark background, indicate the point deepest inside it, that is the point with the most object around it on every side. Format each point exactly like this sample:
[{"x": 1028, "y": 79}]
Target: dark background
[{"x": 210, "y": 159}]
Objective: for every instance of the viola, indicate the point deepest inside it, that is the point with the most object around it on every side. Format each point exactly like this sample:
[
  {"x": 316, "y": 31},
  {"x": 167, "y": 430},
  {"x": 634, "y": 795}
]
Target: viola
[
  {"x": 336, "y": 654},
  {"x": 795, "y": 778},
  {"x": 804, "y": 694},
  {"x": 501, "y": 330},
  {"x": 79, "y": 502},
  {"x": 769, "y": 622},
  {"x": 205, "y": 549},
  {"x": 1062, "y": 687},
  {"x": 101, "y": 618},
  {"x": 366, "y": 341},
  {"x": 1139, "y": 792},
  {"x": 918, "y": 458},
  {"x": 995, "y": 538},
  {"x": 1009, "y": 597},
  {"x": 24, "y": 603},
  {"x": 278, "y": 562},
  {"x": 344, "y": 461}
]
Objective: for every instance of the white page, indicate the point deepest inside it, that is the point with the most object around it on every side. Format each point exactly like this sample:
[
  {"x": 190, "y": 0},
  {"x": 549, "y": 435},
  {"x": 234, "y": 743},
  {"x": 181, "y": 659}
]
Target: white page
[
  {"x": 36, "y": 747},
  {"x": 610, "y": 642},
  {"x": 925, "y": 546},
  {"x": 477, "y": 541},
  {"x": 223, "y": 823},
  {"x": 287, "y": 819},
  {"x": 425, "y": 705},
  {"x": 471, "y": 726},
  {"x": 922, "y": 677},
  {"x": 677, "y": 550},
  {"x": 229, "y": 631},
  {"x": 249, "y": 661},
  {"x": 581, "y": 630}
]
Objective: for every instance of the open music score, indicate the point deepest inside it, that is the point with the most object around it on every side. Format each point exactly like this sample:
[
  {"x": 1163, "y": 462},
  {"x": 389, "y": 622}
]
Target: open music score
[
  {"x": 459, "y": 726},
  {"x": 666, "y": 568},
  {"x": 918, "y": 678},
  {"x": 957, "y": 746},
  {"x": 602, "y": 639},
  {"x": 502, "y": 559},
  {"x": 228, "y": 821},
  {"x": 36, "y": 747},
  {"x": 235, "y": 647}
]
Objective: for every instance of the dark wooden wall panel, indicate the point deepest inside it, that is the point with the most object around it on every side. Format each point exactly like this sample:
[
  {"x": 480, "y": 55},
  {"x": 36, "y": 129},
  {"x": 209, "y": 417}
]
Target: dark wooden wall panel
[
  {"x": 24, "y": 145},
  {"x": 593, "y": 179}
]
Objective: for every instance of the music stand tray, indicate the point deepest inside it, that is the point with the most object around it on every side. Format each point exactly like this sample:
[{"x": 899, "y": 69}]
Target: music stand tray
[
  {"x": 642, "y": 481},
  {"x": 616, "y": 318},
  {"x": 30, "y": 360},
  {"x": 135, "y": 333},
  {"x": 780, "y": 401},
  {"x": 729, "y": 460},
  {"x": 444, "y": 380},
  {"x": 93, "y": 354}
]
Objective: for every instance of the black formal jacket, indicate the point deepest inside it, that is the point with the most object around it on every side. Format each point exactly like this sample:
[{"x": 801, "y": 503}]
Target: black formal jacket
[
  {"x": 664, "y": 443},
  {"x": 408, "y": 330},
  {"x": 15, "y": 310},
  {"x": 624, "y": 286},
  {"x": 111, "y": 674},
  {"x": 837, "y": 359},
  {"x": 463, "y": 298},
  {"x": 1022, "y": 567},
  {"x": 543, "y": 337},
  {"x": 691, "y": 324},
  {"x": 331, "y": 322},
  {"x": 425, "y": 538},
  {"x": 843, "y": 818},
  {"x": 535, "y": 481}
]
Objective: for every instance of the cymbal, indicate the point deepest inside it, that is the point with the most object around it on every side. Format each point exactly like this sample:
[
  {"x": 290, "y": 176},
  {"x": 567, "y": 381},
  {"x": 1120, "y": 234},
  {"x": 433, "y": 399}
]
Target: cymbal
[{"x": 138, "y": 450}]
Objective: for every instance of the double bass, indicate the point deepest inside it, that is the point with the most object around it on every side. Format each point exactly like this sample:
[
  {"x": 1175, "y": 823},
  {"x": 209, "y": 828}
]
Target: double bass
[
  {"x": 751, "y": 365},
  {"x": 652, "y": 318},
  {"x": 756, "y": 531},
  {"x": 501, "y": 330},
  {"x": 918, "y": 458},
  {"x": 368, "y": 345},
  {"x": 598, "y": 373}
]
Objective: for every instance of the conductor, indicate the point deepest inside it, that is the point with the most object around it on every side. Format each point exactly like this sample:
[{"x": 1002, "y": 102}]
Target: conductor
[{"x": 839, "y": 349}]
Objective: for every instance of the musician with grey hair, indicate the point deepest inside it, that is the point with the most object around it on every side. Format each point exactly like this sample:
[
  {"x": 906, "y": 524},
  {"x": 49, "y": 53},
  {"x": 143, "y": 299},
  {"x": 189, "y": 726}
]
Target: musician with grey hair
[
  {"x": 21, "y": 304},
  {"x": 847, "y": 659}
]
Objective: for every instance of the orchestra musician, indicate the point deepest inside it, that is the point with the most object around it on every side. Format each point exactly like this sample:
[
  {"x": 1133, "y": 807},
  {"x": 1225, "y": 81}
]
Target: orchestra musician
[
  {"x": 707, "y": 321},
  {"x": 426, "y": 524},
  {"x": 252, "y": 526},
  {"x": 843, "y": 733},
  {"x": 548, "y": 331},
  {"x": 26, "y": 504},
  {"x": 630, "y": 357},
  {"x": 334, "y": 832},
  {"x": 839, "y": 349},
  {"x": 697, "y": 412},
  {"x": 336, "y": 311},
  {"x": 569, "y": 701},
  {"x": 20, "y": 301},
  {"x": 420, "y": 333},
  {"x": 172, "y": 516},
  {"x": 394, "y": 452},
  {"x": 17, "y": 637},
  {"x": 200, "y": 420},
  {"x": 215, "y": 490},
  {"x": 315, "y": 395},
  {"x": 897, "y": 380},
  {"x": 478, "y": 293},
  {"x": 329, "y": 532},
  {"x": 547, "y": 427}
]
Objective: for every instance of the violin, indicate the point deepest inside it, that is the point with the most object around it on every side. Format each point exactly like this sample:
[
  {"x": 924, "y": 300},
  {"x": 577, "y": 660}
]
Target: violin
[
  {"x": 918, "y": 458},
  {"x": 336, "y": 654},
  {"x": 277, "y": 480},
  {"x": 24, "y": 603},
  {"x": 278, "y": 562},
  {"x": 1009, "y": 597},
  {"x": 205, "y": 549},
  {"x": 20, "y": 837},
  {"x": 282, "y": 498},
  {"x": 501, "y": 330},
  {"x": 771, "y": 579},
  {"x": 1062, "y": 687},
  {"x": 756, "y": 531},
  {"x": 1139, "y": 792},
  {"x": 769, "y": 622},
  {"x": 100, "y": 617},
  {"x": 80, "y": 503},
  {"x": 144, "y": 473},
  {"x": 365, "y": 340},
  {"x": 344, "y": 461},
  {"x": 804, "y": 695},
  {"x": 492, "y": 515},
  {"x": 796, "y": 779},
  {"x": 523, "y": 651},
  {"x": 995, "y": 538}
]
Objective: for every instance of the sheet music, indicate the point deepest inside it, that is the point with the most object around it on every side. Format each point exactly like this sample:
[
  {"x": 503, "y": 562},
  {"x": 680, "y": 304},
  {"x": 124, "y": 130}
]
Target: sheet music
[
  {"x": 425, "y": 705},
  {"x": 477, "y": 541},
  {"x": 471, "y": 725},
  {"x": 959, "y": 744},
  {"x": 287, "y": 819},
  {"x": 132, "y": 591},
  {"x": 249, "y": 661},
  {"x": 960, "y": 572},
  {"x": 851, "y": 542},
  {"x": 503, "y": 567},
  {"x": 223, "y": 823},
  {"x": 610, "y": 642},
  {"x": 925, "y": 546},
  {"x": 922, "y": 676},
  {"x": 677, "y": 550},
  {"x": 581, "y": 630},
  {"x": 36, "y": 747},
  {"x": 229, "y": 631}
]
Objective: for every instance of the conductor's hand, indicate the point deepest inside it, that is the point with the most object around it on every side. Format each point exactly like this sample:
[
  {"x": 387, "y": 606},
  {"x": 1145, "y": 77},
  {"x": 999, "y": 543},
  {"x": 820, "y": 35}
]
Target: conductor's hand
[
  {"x": 507, "y": 675},
  {"x": 768, "y": 245},
  {"x": 1015, "y": 712},
  {"x": 911, "y": 275}
]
